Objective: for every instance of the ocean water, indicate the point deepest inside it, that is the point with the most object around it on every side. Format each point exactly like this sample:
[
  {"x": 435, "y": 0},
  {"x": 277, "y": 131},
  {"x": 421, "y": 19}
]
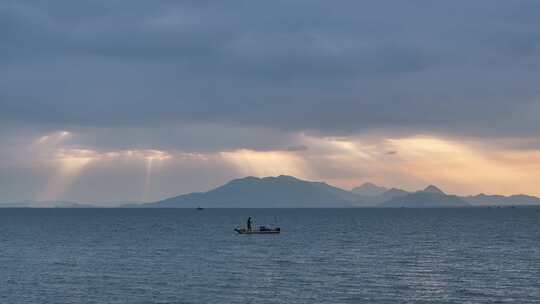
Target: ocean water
[{"x": 475, "y": 255}]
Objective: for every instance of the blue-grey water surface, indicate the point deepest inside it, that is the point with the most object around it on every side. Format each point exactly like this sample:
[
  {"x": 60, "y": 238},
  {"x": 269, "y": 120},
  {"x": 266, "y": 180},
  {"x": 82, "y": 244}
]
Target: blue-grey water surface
[{"x": 473, "y": 255}]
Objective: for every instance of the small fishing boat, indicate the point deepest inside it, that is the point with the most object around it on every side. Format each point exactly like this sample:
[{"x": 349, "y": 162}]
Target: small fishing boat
[
  {"x": 261, "y": 230},
  {"x": 200, "y": 208}
]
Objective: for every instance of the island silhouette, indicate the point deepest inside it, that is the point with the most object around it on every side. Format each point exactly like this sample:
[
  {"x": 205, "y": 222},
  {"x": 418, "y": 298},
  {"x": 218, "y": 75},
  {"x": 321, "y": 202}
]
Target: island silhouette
[{"x": 285, "y": 191}]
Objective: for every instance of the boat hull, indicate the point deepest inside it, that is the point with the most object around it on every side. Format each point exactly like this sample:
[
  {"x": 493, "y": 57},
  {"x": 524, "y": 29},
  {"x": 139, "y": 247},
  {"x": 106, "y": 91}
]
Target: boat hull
[{"x": 269, "y": 231}]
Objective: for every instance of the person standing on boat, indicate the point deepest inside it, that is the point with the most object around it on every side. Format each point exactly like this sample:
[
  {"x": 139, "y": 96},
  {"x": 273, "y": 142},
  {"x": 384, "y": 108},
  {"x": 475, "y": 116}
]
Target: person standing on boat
[{"x": 249, "y": 223}]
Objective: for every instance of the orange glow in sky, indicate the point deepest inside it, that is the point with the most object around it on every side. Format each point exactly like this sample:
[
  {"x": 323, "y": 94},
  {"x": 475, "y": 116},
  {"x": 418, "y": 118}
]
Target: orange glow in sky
[{"x": 457, "y": 166}]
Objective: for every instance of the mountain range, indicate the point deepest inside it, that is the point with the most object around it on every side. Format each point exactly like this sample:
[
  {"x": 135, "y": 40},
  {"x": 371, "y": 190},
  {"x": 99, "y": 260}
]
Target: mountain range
[
  {"x": 288, "y": 191},
  {"x": 431, "y": 196}
]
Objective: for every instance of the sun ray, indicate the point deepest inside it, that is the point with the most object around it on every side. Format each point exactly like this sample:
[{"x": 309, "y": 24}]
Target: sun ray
[
  {"x": 151, "y": 158},
  {"x": 70, "y": 164}
]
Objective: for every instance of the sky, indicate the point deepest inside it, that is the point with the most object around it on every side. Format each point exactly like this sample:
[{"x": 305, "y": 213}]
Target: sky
[{"x": 116, "y": 100}]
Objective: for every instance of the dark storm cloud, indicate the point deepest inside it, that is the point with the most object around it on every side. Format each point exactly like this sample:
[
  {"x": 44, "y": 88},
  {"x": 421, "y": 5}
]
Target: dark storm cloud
[{"x": 462, "y": 67}]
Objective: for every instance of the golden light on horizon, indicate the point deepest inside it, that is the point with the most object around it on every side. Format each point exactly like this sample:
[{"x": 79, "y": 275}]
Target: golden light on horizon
[
  {"x": 463, "y": 167},
  {"x": 457, "y": 166}
]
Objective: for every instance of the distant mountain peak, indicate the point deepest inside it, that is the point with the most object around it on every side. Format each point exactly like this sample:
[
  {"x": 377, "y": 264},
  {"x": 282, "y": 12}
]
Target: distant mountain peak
[
  {"x": 272, "y": 191},
  {"x": 369, "y": 189},
  {"x": 433, "y": 189}
]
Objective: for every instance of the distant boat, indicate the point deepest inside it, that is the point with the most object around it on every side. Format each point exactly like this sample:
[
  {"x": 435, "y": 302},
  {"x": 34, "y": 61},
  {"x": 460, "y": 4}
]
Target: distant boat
[
  {"x": 200, "y": 208},
  {"x": 262, "y": 230}
]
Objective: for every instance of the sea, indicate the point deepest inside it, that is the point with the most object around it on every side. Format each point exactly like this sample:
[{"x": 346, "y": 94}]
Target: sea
[{"x": 469, "y": 255}]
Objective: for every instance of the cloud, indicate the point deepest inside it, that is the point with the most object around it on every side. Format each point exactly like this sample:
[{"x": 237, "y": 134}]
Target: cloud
[
  {"x": 364, "y": 66},
  {"x": 206, "y": 78}
]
